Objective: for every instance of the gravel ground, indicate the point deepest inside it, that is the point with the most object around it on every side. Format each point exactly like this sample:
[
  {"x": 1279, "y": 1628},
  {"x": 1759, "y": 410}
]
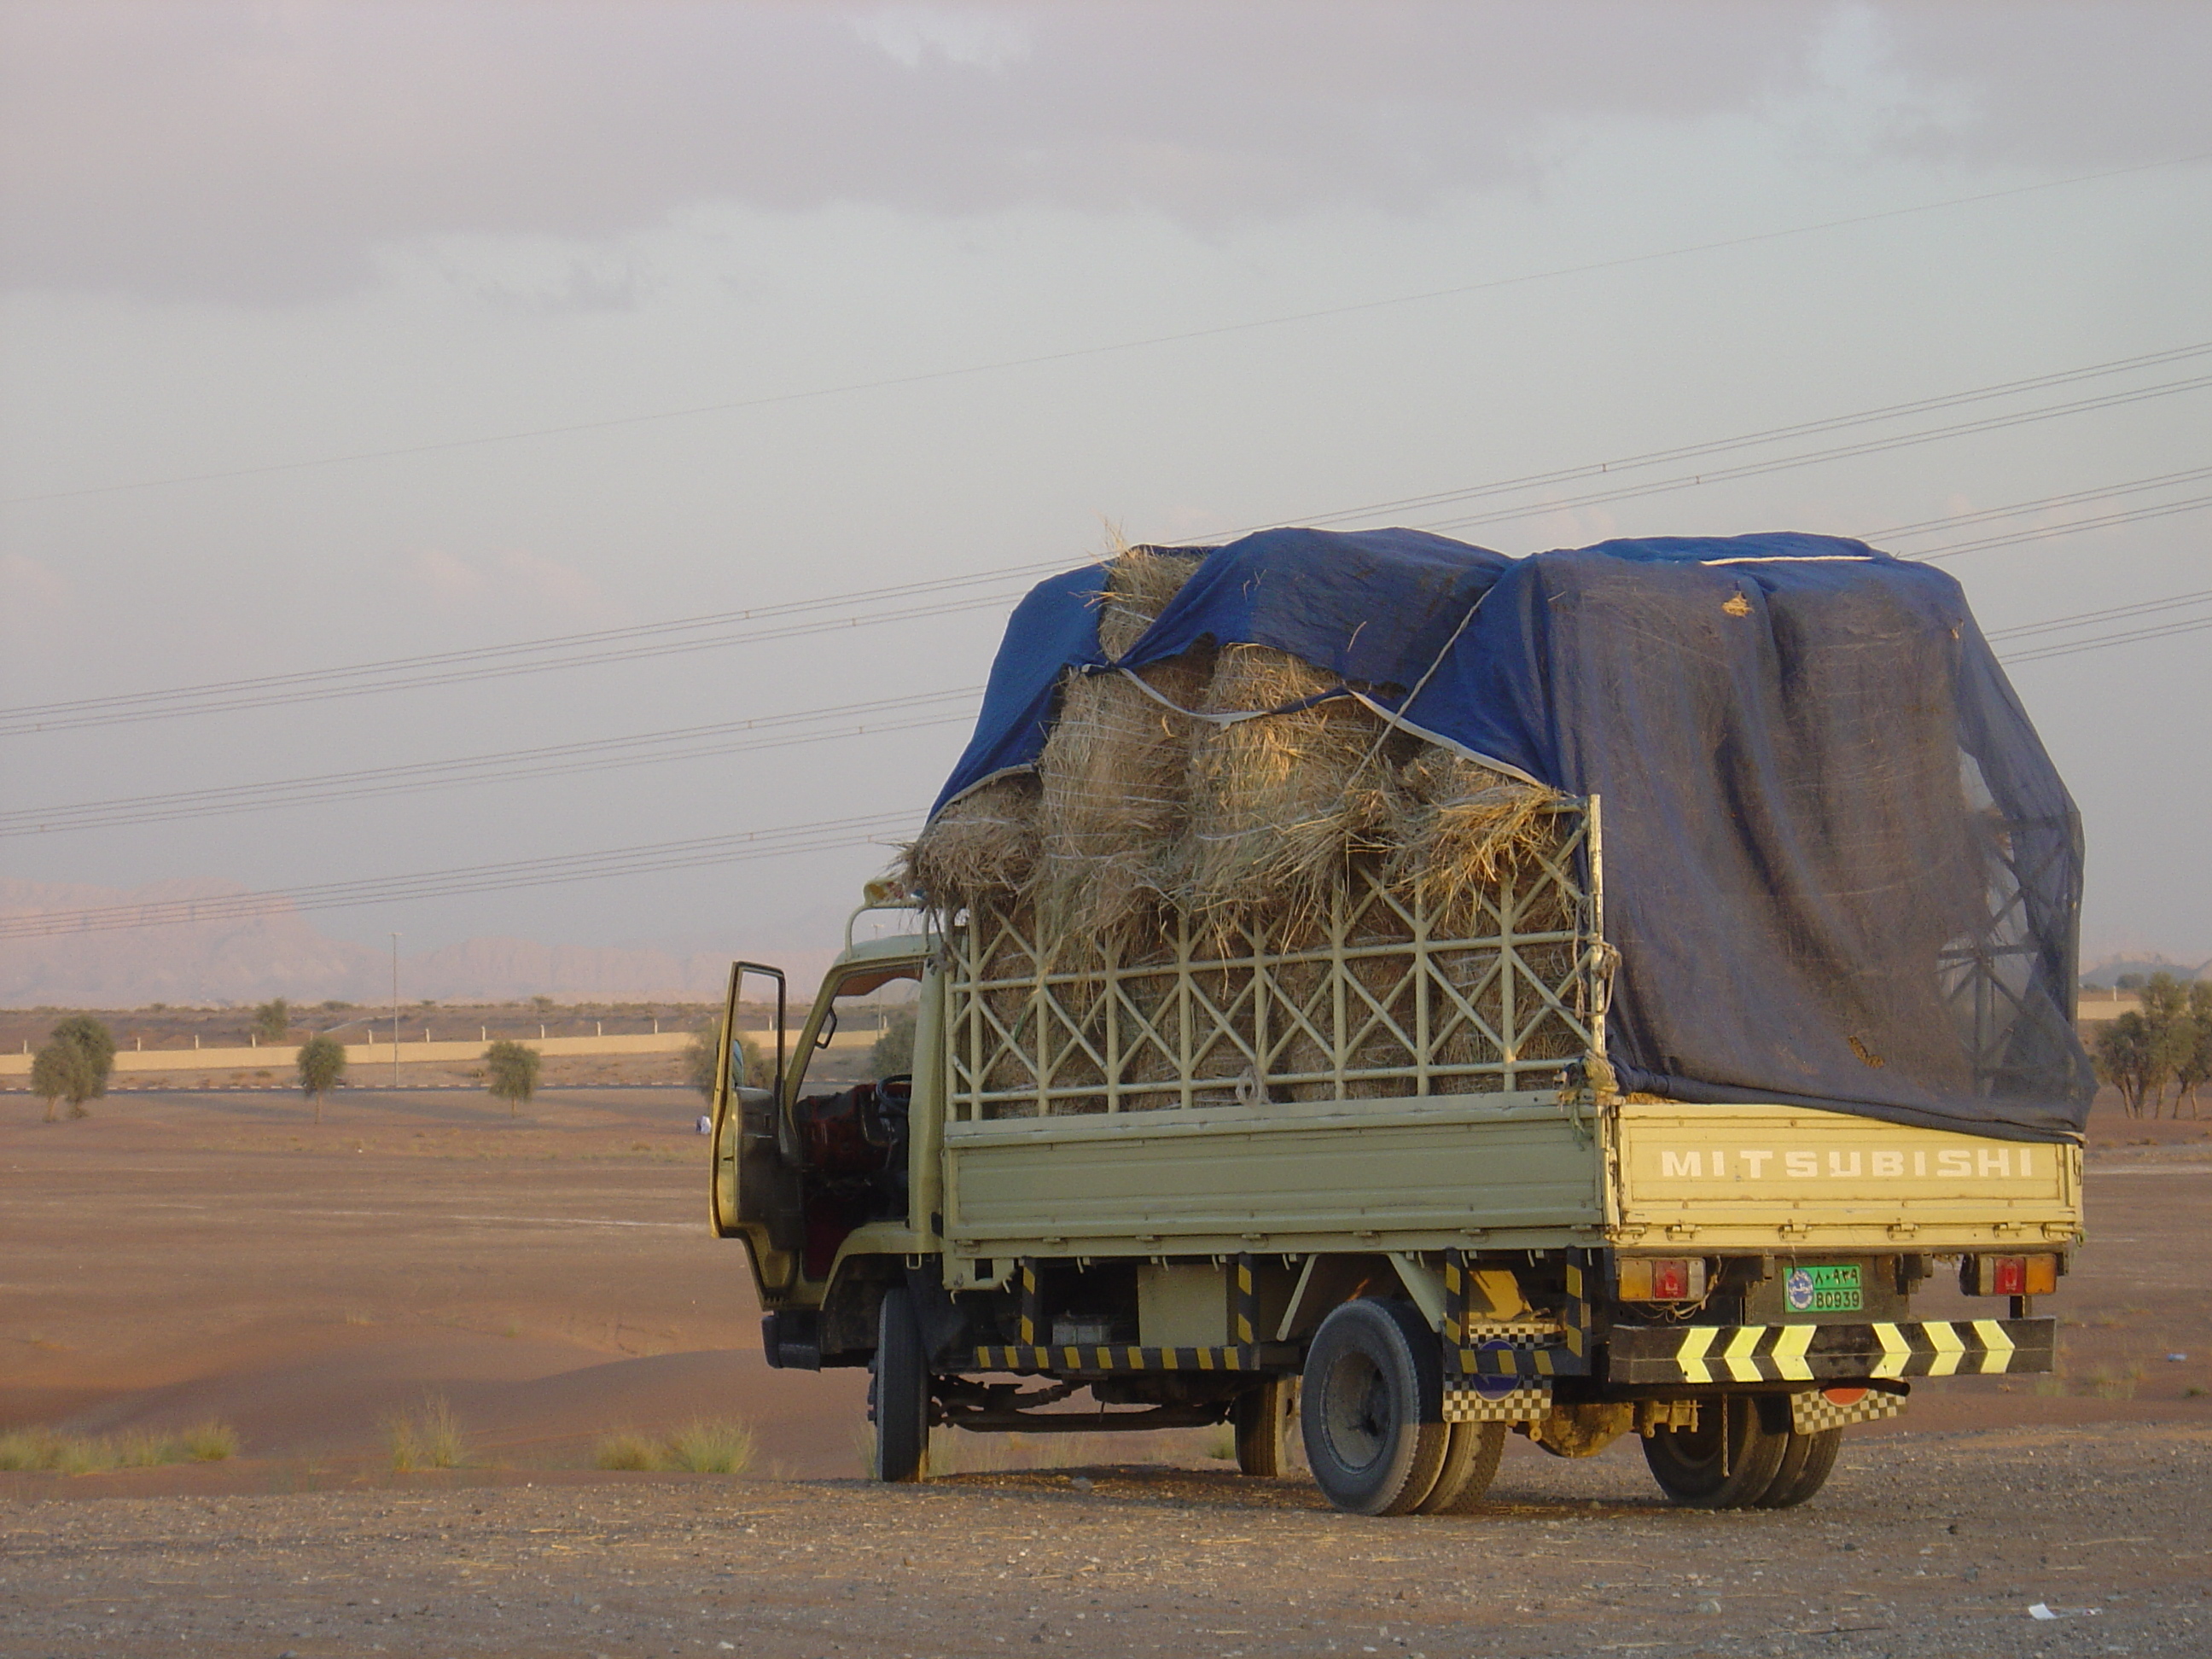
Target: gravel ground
[{"x": 1937, "y": 1545}]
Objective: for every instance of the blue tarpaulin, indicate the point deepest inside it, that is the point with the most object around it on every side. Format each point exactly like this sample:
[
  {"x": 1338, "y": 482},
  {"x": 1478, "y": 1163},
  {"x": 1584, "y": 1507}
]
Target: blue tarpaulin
[{"x": 1840, "y": 869}]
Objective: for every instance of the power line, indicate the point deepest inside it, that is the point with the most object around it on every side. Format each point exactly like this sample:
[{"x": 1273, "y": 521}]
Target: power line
[
  {"x": 2124, "y": 636},
  {"x": 98, "y": 712},
  {"x": 2044, "y": 532},
  {"x": 2074, "y": 497},
  {"x": 655, "y": 857},
  {"x": 907, "y": 712},
  {"x": 830, "y": 834},
  {"x": 1771, "y": 435},
  {"x": 1107, "y": 349},
  {"x": 2171, "y": 602},
  {"x": 1870, "y": 446},
  {"x": 653, "y": 640}
]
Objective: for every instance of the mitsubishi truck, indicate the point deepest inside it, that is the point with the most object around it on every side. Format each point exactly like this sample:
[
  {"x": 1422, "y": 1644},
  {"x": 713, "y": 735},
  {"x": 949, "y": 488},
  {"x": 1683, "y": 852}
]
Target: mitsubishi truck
[{"x": 1385, "y": 1191}]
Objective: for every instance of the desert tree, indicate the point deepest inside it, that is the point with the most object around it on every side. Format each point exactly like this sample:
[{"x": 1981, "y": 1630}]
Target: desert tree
[
  {"x": 703, "y": 1055},
  {"x": 2192, "y": 1066},
  {"x": 271, "y": 1019},
  {"x": 893, "y": 1054},
  {"x": 83, "y": 1054},
  {"x": 322, "y": 1062},
  {"x": 2171, "y": 1035},
  {"x": 58, "y": 1073},
  {"x": 2130, "y": 1057},
  {"x": 511, "y": 1073}
]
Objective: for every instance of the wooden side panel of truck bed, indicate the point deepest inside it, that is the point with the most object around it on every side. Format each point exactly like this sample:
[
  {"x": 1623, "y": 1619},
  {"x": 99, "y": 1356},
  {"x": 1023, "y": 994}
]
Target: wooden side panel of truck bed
[
  {"x": 1502, "y": 1171},
  {"x": 1322, "y": 1175}
]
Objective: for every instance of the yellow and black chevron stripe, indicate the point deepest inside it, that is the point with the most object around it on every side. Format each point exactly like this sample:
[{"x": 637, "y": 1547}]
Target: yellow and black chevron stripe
[
  {"x": 1806, "y": 1353},
  {"x": 1537, "y": 1360},
  {"x": 1087, "y": 1359}
]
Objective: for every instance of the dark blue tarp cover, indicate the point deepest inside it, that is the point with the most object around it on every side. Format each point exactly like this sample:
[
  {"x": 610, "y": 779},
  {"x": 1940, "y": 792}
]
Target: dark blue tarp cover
[{"x": 1839, "y": 867}]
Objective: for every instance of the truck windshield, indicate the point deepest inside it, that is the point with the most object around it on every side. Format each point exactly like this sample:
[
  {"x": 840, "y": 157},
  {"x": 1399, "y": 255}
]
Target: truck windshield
[{"x": 872, "y": 1037}]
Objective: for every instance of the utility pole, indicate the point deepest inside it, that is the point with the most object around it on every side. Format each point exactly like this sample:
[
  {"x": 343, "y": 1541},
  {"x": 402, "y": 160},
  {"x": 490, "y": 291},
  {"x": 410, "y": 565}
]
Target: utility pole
[{"x": 395, "y": 1010}]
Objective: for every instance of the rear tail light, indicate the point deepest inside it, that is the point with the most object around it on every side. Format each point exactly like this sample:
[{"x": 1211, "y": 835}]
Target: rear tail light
[
  {"x": 1661, "y": 1279},
  {"x": 2011, "y": 1275}
]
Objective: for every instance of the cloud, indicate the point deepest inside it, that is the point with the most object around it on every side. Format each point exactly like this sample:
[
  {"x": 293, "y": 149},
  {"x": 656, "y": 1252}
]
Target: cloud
[{"x": 253, "y": 152}]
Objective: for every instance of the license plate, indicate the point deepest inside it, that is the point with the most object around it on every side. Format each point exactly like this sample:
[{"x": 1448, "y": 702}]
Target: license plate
[{"x": 1824, "y": 1290}]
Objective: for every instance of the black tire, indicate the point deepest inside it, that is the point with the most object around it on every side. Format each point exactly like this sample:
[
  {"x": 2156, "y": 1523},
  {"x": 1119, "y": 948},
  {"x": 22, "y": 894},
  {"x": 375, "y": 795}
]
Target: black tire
[
  {"x": 1470, "y": 1464},
  {"x": 898, "y": 1391},
  {"x": 1806, "y": 1462},
  {"x": 1262, "y": 1419},
  {"x": 1726, "y": 1462},
  {"x": 1370, "y": 1408}
]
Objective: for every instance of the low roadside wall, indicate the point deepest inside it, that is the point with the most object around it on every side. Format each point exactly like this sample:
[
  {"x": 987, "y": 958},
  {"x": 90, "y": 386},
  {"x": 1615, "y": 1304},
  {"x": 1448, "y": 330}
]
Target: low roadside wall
[{"x": 275, "y": 1057}]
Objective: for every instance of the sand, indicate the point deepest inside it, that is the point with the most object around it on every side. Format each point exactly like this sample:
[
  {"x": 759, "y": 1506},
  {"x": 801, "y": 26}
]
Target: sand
[{"x": 181, "y": 1257}]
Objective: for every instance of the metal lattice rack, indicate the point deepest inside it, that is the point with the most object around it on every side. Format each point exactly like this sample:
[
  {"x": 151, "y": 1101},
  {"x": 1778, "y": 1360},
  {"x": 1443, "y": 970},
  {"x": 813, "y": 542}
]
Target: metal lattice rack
[{"x": 1371, "y": 998}]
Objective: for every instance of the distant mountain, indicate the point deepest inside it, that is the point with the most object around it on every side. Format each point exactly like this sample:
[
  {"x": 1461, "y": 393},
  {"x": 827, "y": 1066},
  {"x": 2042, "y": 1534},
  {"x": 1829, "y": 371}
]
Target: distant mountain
[
  {"x": 284, "y": 954},
  {"x": 2109, "y": 972}
]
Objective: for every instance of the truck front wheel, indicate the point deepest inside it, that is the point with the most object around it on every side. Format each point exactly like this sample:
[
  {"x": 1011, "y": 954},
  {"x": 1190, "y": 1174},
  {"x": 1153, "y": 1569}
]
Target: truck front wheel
[
  {"x": 1370, "y": 1408},
  {"x": 1726, "y": 1462},
  {"x": 898, "y": 1390}
]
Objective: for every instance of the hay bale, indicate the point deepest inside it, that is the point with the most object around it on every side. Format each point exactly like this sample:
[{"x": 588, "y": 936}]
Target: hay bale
[
  {"x": 982, "y": 845},
  {"x": 1279, "y": 805},
  {"x": 1112, "y": 776},
  {"x": 1465, "y": 826}
]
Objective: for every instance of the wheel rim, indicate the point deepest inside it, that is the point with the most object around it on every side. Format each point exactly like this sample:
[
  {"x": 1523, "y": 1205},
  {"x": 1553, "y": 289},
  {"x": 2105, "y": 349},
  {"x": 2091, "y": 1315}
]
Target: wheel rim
[{"x": 1356, "y": 1413}]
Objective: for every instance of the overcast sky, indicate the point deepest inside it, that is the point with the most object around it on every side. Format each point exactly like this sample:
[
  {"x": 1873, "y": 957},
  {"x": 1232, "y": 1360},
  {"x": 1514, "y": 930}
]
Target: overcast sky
[{"x": 238, "y": 236}]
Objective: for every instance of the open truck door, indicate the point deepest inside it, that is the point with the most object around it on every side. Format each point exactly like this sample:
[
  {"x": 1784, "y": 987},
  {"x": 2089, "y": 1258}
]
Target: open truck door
[{"x": 756, "y": 1195}]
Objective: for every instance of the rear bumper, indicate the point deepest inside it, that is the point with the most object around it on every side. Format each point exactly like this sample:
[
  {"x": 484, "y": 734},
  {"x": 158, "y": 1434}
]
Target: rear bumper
[{"x": 1811, "y": 1353}]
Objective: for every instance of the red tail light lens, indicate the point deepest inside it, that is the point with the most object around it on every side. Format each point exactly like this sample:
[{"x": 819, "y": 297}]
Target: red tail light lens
[
  {"x": 1661, "y": 1279},
  {"x": 2012, "y": 1275}
]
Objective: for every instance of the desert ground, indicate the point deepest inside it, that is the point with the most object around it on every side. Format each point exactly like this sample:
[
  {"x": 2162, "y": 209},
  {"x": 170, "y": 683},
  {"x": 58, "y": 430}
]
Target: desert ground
[{"x": 197, "y": 1255}]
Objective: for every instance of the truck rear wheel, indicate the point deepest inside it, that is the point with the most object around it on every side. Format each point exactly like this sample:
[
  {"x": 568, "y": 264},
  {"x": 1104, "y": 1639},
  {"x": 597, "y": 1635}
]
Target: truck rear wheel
[
  {"x": 1726, "y": 1462},
  {"x": 1371, "y": 1408},
  {"x": 898, "y": 1391},
  {"x": 1806, "y": 1462},
  {"x": 1470, "y": 1464},
  {"x": 1262, "y": 1419}
]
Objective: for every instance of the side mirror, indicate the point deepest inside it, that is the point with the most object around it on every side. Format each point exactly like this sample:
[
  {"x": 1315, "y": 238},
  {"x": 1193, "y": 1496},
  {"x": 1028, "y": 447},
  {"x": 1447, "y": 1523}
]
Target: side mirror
[{"x": 828, "y": 1029}]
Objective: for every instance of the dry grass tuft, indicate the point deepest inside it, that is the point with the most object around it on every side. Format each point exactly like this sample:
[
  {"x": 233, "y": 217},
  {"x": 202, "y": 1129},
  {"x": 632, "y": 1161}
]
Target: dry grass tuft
[
  {"x": 431, "y": 1438},
  {"x": 700, "y": 1447},
  {"x": 49, "y": 1451}
]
